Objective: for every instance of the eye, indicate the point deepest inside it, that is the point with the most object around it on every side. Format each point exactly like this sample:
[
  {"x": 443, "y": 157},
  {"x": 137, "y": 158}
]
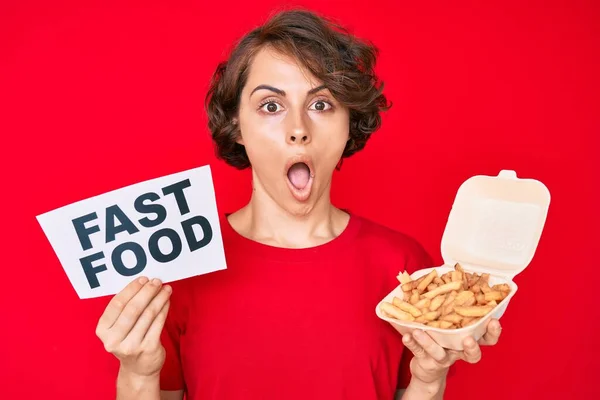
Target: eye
[
  {"x": 270, "y": 107},
  {"x": 320, "y": 105}
]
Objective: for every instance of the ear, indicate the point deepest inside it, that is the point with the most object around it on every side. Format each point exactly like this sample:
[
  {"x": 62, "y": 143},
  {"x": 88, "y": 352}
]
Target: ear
[{"x": 239, "y": 140}]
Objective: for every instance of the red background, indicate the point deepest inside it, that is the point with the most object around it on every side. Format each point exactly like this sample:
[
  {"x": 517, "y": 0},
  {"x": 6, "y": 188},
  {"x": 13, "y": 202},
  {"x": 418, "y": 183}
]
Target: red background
[{"x": 98, "y": 95}]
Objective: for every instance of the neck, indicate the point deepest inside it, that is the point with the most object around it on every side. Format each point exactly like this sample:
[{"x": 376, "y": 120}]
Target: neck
[{"x": 263, "y": 220}]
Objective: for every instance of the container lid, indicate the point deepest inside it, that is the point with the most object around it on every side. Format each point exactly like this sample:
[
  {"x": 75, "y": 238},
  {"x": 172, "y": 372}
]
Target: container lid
[{"x": 496, "y": 223}]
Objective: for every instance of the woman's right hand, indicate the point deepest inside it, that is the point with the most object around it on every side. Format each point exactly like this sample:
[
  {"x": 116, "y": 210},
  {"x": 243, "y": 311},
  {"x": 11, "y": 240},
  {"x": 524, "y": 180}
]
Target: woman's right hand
[{"x": 131, "y": 325}]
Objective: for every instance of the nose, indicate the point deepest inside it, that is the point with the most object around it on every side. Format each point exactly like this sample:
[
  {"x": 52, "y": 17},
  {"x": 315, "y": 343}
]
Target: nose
[
  {"x": 298, "y": 132},
  {"x": 298, "y": 137}
]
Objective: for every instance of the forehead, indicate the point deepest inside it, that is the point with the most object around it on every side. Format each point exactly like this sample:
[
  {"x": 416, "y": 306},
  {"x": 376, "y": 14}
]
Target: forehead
[{"x": 273, "y": 68}]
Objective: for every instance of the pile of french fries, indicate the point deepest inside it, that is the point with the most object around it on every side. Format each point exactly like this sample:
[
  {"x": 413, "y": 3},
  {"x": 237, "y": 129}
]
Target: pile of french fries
[{"x": 454, "y": 300}]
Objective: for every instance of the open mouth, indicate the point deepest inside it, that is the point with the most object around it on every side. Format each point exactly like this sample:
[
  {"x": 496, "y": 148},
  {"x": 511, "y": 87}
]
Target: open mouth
[{"x": 300, "y": 177}]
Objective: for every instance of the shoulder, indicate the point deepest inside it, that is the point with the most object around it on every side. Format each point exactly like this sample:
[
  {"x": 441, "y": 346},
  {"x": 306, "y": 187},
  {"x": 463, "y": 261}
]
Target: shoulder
[{"x": 388, "y": 242}]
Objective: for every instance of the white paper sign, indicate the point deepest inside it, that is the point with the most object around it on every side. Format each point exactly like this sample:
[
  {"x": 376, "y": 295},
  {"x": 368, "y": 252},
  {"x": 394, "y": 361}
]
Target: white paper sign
[{"x": 166, "y": 228}]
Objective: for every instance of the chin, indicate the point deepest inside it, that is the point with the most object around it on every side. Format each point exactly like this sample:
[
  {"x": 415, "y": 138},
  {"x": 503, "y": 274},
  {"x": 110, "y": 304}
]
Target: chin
[{"x": 299, "y": 210}]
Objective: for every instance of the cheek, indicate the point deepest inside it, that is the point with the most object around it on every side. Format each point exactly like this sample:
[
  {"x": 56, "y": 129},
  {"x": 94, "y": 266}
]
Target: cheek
[
  {"x": 262, "y": 141},
  {"x": 333, "y": 134}
]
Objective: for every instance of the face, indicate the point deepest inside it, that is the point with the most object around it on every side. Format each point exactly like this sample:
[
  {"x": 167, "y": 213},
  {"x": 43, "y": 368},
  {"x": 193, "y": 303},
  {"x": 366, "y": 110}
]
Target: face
[{"x": 294, "y": 132}]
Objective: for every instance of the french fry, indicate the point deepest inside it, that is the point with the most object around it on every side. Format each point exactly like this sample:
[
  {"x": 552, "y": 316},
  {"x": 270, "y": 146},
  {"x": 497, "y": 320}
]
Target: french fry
[
  {"x": 448, "y": 309},
  {"x": 485, "y": 278},
  {"x": 473, "y": 311},
  {"x": 431, "y": 315},
  {"x": 408, "y": 286},
  {"x": 445, "y": 324},
  {"x": 428, "y": 316},
  {"x": 473, "y": 280},
  {"x": 456, "y": 276},
  {"x": 395, "y": 312},
  {"x": 426, "y": 281},
  {"x": 448, "y": 305},
  {"x": 494, "y": 295},
  {"x": 404, "y": 277},
  {"x": 450, "y": 298},
  {"x": 437, "y": 302},
  {"x": 411, "y": 285},
  {"x": 502, "y": 287},
  {"x": 406, "y": 295},
  {"x": 448, "y": 287},
  {"x": 414, "y": 298},
  {"x": 447, "y": 278},
  {"x": 463, "y": 297},
  {"x": 423, "y": 303},
  {"x": 453, "y": 317},
  {"x": 453, "y": 300},
  {"x": 480, "y": 298},
  {"x": 406, "y": 307},
  {"x": 485, "y": 288}
]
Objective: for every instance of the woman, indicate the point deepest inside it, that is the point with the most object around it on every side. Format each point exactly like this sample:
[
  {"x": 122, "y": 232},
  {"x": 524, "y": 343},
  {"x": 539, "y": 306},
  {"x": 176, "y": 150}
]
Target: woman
[{"x": 293, "y": 315}]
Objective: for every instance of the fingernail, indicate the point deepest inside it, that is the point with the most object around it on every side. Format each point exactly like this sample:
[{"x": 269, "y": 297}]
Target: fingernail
[
  {"x": 418, "y": 334},
  {"x": 406, "y": 338},
  {"x": 168, "y": 289},
  {"x": 143, "y": 280},
  {"x": 156, "y": 282}
]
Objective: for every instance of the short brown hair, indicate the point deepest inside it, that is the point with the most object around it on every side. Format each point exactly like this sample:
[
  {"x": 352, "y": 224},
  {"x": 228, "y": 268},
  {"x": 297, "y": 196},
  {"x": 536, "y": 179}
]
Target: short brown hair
[{"x": 342, "y": 62}]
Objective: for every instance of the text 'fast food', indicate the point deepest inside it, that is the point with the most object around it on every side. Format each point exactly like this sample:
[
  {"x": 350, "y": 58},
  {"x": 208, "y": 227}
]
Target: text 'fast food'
[{"x": 453, "y": 300}]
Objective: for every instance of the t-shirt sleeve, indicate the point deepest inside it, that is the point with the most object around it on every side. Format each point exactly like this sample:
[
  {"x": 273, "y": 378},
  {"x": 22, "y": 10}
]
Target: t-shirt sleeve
[{"x": 171, "y": 375}]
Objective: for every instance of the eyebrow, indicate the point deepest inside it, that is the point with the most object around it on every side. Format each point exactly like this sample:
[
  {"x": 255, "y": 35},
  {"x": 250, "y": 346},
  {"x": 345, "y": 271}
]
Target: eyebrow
[{"x": 282, "y": 93}]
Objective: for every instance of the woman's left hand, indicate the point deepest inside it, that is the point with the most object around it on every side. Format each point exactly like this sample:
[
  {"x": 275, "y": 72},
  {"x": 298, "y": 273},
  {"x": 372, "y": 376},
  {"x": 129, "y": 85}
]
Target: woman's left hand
[{"x": 431, "y": 362}]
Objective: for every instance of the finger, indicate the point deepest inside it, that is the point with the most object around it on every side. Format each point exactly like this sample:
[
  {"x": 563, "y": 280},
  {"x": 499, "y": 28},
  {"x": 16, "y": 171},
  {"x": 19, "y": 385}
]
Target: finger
[
  {"x": 434, "y": 350},
  {"x": 134, "y": 309},
  {"x": 413, "y": 346},
  {"x": 118, "y": 303},
  {"x": 492, "y": 334},
  {"x": 471, "y": 350},
  {"x": 454, "y": 355},
  {"x": 153, "y": 334},
  {"x": 148, "y": 316}
]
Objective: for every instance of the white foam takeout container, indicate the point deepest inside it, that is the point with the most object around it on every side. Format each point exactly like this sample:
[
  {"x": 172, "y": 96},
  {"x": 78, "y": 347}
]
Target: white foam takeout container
[{"x": 494, "y": 227}]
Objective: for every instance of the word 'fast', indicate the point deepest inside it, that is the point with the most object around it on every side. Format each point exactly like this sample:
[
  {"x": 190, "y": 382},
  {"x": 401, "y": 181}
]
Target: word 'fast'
[{"x": 117, "y": 221}]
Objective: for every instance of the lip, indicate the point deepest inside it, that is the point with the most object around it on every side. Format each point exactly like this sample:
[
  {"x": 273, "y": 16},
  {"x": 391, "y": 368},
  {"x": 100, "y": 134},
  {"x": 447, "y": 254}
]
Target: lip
[{"x": 304, "y": 193}]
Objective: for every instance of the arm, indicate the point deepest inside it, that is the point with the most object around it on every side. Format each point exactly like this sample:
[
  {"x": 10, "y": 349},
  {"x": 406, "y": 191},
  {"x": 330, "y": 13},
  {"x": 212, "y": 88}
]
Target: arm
[
  {"x": 130, "y": 328},
  {"x": 431, "y": 362},
  {"x": 411, "y": 387},
  {"x": 131, "y": 386},
  {"x": 418, "y": 390}
]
